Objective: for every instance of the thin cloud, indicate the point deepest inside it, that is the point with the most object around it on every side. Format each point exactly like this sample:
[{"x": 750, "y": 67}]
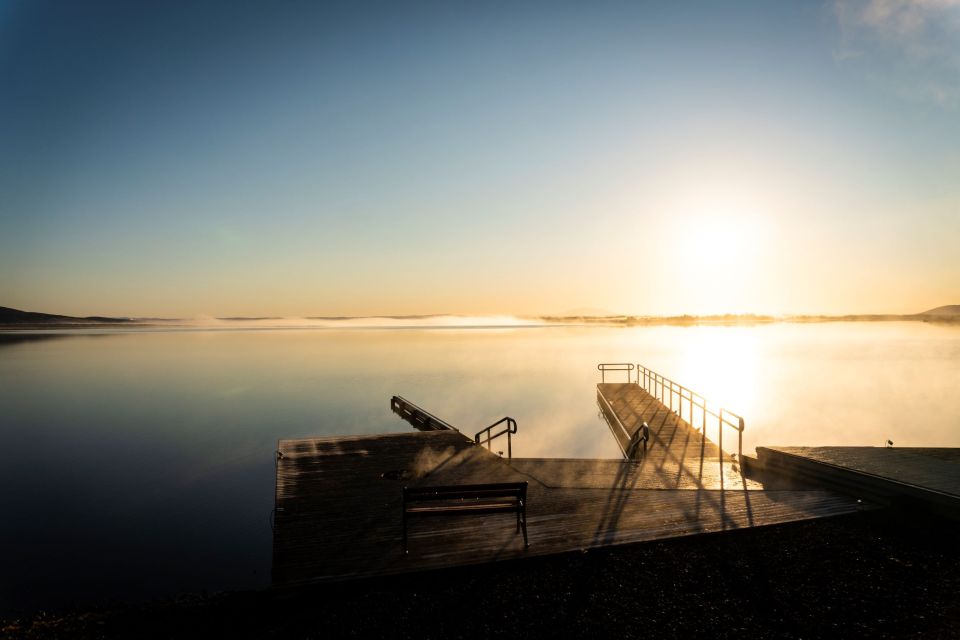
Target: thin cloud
[{"x": 910, "y": 46}]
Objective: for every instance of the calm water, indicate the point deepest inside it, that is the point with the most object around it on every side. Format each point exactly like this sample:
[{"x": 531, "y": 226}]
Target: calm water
[{"x": 140, "y": 464}]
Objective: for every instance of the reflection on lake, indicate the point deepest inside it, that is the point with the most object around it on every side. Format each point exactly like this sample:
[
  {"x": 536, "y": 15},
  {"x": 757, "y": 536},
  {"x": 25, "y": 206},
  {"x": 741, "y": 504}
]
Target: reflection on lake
[{"x": 137, "y": 464}]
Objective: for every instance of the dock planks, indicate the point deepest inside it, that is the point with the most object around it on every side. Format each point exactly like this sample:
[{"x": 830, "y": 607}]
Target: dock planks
[
  {"x": 685, "y": 470},
  {"x": 633, "y": 406},
  {"x": 929, "y": 475},
  {"x": 338, "y": 504}
]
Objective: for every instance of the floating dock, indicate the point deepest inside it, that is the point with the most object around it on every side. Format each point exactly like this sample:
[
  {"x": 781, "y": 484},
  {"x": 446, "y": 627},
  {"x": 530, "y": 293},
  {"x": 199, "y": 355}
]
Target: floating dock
[
  {"x": 885, "y": 475},
  {"x": 338, "y": 499}
]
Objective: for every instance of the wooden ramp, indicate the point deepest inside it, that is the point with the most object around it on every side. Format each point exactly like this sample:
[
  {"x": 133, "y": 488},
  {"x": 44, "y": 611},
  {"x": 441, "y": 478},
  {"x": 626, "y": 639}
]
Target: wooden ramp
[
  {"x": 927, "y": 475},
  {"x": 338, "y": 503},
  {"x": 627, "y": 406}
]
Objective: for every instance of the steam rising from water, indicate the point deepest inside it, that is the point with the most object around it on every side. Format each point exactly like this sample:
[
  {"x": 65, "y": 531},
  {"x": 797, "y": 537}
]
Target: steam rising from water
[
  {"x": 372, "y": 322},
  {"x": 429, "y": 459}
]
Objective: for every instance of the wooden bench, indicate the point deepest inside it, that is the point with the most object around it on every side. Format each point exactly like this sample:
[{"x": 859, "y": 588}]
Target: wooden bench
[{"x": 465, "y": 499}]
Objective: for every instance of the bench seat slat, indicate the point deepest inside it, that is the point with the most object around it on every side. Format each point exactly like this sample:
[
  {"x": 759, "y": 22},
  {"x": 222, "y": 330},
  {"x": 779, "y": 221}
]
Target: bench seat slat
[
  {"x": 469, "y": 487},
  {"x": 497, "y": 489},
  {"x": 462, "y": 496},
  {"x": 472, "y": 508}
]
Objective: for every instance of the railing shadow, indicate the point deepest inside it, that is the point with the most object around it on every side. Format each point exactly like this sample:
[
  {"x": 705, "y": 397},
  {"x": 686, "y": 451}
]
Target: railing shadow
[{"x": 678, "y": 457}]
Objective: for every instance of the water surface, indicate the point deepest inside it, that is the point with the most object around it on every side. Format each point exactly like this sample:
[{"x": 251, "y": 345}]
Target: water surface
[{"x": 138, "y": 464}]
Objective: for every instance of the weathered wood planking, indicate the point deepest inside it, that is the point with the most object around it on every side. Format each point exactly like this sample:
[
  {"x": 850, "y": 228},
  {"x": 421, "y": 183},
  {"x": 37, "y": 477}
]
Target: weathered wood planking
[
  {"x": 683, "y": 470},
  {"x": 671, "y": 437},
  {"x": 339, "y": 499},
  {"x": 929, "y": 475}
]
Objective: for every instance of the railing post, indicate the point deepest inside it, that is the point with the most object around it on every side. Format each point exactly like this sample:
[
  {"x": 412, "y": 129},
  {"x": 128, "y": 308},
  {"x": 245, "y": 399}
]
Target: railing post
[
  {"x": 664, "y": 389},
  {"x": 740, "y": 443},
  {"x": 720, "y": 437}
]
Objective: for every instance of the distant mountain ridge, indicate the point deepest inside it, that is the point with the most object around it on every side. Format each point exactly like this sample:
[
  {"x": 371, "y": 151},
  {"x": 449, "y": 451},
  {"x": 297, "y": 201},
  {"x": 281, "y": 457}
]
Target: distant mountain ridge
[
  {"x": 946, "y": 310},
  {"x": 10, "y": 316}
]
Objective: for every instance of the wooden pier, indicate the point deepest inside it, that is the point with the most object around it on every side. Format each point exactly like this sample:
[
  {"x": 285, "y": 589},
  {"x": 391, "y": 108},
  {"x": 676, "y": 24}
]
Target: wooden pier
[
  {"x": 627, "y": 407},
  {"x": 926, "y": 476},
  {"x": 338, "y": 499}
]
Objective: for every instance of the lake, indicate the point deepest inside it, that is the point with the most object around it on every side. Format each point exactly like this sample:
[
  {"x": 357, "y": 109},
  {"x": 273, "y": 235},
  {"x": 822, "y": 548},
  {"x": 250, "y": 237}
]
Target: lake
[{"x": 139, "y": 463}]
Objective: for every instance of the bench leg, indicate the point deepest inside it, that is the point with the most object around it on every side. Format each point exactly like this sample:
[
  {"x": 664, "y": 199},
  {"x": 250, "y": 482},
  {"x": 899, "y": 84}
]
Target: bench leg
[{"x": 524, "y": 523}]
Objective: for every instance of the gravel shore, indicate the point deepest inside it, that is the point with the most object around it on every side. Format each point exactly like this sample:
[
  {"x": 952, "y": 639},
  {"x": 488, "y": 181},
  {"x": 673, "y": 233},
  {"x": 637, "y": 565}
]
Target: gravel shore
[{"x": 884, "y": 574}]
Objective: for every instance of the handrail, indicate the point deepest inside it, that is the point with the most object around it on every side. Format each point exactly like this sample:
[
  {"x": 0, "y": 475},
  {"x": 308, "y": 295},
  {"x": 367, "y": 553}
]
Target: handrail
[
  {"x": 603, "y": 367},
  {"x": 422, "y": 420},
  {"x": 511, "y": 428},
  {"x": 641, "y": 435},
  {"x": 613, "y": 421},
  {"x": 665, "y": 389}
]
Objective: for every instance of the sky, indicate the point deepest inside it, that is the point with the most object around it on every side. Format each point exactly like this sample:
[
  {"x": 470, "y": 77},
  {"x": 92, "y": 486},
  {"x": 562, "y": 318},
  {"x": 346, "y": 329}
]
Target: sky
[{"x": 168, "y": 159}]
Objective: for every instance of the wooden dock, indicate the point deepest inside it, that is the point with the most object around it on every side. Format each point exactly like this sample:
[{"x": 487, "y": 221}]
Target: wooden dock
[
  {"x": 338, "y": 500},
  {"x": 627, "y": 406},
  {"x": 928, "y": 476}
]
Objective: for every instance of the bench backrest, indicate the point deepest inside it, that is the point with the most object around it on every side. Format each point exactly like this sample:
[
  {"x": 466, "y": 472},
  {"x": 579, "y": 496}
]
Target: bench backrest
[{"x": 467, "y": 491}]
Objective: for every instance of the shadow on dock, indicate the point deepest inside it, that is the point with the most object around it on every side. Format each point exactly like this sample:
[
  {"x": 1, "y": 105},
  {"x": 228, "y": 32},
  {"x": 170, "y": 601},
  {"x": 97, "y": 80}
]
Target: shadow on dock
[{"x": 338, "y": 500}]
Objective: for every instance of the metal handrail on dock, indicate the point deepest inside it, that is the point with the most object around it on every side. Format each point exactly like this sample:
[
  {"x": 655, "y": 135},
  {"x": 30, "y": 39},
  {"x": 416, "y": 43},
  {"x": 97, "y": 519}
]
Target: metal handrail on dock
[
  {"x": 665, "y": 390},
  {"x": 422, "y": 420},
  {"x": 603, "y": 367},
  {"x": 510, "y": 429},
  {"x": 613, "y": 420}
]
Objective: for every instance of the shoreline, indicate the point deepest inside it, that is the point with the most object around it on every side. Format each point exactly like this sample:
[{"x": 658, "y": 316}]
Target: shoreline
[
  {"x": 523, "y": 323},
  {"x": 887, "y": 573}
]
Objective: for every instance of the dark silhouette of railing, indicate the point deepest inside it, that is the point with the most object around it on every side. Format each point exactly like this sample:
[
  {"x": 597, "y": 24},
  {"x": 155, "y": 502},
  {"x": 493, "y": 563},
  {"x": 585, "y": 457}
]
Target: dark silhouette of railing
[
  {"x": 676, "y": 397},
  {"x": 666, "y": 390},
  {"x": 509, "y": 430},
  {"x": 422, "y": 420},
  {"x": 615, "y": 366}
]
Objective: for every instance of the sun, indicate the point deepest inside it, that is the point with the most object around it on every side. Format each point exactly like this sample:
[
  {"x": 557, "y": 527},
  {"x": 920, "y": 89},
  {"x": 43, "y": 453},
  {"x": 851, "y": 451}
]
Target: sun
[{"x": 717, "y": 260}]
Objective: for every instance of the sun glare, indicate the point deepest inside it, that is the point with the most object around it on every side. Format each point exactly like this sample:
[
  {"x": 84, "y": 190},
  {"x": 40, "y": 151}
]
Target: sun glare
[
  {"x": 717, "y": 259},
  {"x": 722, "y": 364}
]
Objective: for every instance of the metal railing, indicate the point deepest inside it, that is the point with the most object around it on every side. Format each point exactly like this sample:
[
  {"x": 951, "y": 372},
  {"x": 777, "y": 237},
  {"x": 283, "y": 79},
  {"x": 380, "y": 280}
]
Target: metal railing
[
  {"x": 640, "y": 437},
  {"x": 613, "y": 421},
  {"x": 667, "y": 391},
  {"x": 422, "y": 420},
  {"x": 615, "y": 366},
  {"x": 510, "y": 429}
]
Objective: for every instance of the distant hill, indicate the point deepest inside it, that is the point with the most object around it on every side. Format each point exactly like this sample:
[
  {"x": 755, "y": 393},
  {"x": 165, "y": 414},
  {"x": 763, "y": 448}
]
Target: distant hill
[
  {"x": 10, "y": 316},
  {"x": 948, "y": 310}
]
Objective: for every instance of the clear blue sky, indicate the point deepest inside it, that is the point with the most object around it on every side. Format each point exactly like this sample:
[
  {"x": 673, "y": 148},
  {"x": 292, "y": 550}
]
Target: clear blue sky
[{"x": 237, "y": 158}]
